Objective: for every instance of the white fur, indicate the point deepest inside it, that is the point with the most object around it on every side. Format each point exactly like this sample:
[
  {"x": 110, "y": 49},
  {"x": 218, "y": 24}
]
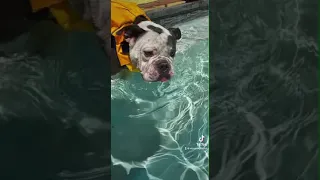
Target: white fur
[
  {"x": 144, "y": 25},
  {"x": 151, "y": 41}
]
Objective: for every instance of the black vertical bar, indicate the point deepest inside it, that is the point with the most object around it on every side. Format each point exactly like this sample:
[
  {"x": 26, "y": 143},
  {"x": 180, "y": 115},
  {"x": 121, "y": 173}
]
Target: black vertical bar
[
  {"x": 212, "y": 164},
  {"x": 264, "y": 90}
]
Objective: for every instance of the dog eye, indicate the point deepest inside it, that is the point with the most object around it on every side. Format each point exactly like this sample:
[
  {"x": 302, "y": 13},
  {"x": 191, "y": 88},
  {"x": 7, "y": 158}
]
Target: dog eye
[{"x": 148, "y": 53}]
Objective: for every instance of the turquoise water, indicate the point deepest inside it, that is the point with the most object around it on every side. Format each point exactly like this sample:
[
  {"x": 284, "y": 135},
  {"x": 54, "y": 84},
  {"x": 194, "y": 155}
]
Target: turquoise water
[{"x": 156, "y": 127}]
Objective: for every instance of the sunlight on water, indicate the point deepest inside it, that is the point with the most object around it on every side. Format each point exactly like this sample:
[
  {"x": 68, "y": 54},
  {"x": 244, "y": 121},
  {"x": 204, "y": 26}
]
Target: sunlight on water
[{"x": 179, "y": 110}]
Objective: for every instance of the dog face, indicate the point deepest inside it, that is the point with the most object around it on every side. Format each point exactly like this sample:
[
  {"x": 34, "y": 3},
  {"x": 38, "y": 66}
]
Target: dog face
[{"x": 152, "y": 49}]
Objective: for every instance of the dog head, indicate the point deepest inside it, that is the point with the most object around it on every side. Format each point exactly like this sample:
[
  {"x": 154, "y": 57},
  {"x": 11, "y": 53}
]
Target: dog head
[{"x": 152, "y": 49}]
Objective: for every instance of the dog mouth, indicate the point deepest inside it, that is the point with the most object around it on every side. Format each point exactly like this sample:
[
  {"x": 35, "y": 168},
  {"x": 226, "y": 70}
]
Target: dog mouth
[
  {"x": 164, "y": 69},
  {"x": 158, "y": 71},
  {"x": 165, "y": 77},
  {"x": 156, "y": 76}
]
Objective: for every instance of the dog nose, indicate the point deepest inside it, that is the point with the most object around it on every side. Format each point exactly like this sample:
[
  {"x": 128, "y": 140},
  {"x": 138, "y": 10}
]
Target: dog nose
[{"x": 163, "y": 66}]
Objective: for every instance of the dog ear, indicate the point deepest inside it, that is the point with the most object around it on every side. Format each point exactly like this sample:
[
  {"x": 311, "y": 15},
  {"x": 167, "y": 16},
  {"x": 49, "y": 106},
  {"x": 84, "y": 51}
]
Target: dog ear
[
  {"x": 175, "y": 32},
  {"x": 139, "y": 19},
  {"x": 132, "y": 32}
]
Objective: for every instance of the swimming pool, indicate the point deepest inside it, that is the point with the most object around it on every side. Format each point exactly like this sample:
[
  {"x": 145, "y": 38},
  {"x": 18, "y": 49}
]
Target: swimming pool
[{"x": 157, "y": 127}]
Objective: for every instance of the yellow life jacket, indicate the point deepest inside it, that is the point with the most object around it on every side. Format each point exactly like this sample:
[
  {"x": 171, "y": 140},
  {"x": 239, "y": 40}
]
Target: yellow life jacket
[{"x": 122, "y": 14}]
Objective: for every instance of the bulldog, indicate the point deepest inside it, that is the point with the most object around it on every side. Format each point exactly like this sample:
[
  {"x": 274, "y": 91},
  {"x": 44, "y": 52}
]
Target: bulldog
[{"x": 137, "y": 42}]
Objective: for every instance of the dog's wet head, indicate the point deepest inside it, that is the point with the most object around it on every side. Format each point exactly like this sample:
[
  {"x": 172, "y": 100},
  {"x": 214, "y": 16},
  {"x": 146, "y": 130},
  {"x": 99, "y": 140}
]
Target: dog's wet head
[{"x": 152, "y": 49}]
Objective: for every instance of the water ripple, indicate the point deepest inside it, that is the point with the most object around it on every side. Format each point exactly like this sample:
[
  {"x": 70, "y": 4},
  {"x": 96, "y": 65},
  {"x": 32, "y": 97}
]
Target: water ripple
[{"x": 178, "y": 108}]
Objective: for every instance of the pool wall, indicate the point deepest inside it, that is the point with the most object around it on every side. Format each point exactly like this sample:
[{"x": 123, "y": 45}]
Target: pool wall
[{"x": 166, "y": 12}]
